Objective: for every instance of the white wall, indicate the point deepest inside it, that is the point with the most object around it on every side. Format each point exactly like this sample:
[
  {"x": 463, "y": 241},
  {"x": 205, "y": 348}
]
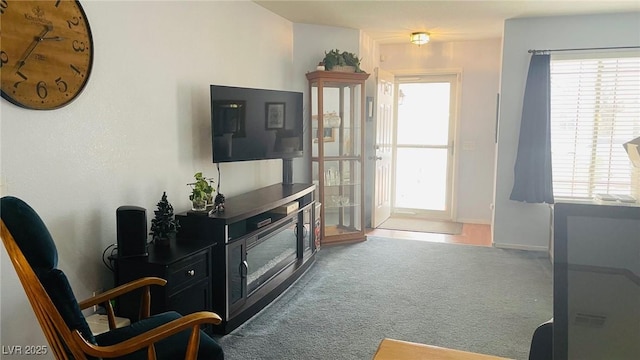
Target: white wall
[
  {"x": 479, "y": 63},
  {"x": 309, "y": 45},
  {"x": 522, "y": 225},
  {"x": 311, "y": 42},
  {"x": 140, "y": 127}
]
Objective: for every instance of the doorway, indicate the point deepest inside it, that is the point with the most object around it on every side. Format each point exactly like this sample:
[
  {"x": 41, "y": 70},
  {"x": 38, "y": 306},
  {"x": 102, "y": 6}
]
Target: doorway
[{"x": 425, "y": 121}]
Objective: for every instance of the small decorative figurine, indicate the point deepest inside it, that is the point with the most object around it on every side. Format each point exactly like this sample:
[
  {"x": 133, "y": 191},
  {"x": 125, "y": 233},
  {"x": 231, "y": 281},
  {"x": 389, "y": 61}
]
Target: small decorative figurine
[{"x": 218, "y": 204}]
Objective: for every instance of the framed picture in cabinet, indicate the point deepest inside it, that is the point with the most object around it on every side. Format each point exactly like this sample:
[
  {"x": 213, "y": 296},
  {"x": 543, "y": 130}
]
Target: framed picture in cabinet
[{"x": 328, "y": 135}]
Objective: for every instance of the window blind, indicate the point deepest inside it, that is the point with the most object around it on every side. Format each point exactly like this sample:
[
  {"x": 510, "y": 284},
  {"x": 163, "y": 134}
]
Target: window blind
[{"x": 595, "y": 108}]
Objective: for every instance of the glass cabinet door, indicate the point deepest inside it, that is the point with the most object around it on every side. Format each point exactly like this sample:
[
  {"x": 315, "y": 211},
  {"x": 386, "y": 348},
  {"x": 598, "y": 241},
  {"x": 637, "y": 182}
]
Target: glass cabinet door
[
  {"x": 236, "y": 275},
  {"x": 337, "y": 123},
  {"x": 342, "y": 196}
]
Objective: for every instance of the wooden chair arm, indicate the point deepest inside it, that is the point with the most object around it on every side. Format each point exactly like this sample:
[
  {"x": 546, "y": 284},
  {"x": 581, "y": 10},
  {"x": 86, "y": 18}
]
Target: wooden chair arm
[
  {"x": 120, "y": 290},
  {"x": 147, "y": 339}
]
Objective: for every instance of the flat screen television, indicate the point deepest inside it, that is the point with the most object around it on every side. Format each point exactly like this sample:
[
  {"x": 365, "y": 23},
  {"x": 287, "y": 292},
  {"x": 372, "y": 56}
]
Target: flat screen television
[
  {"x": 255, "y": 124},
  {"x": 596, "y": 281}
]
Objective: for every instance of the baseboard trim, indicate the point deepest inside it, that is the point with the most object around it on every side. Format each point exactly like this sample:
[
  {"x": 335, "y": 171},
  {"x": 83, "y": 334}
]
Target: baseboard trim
[
  {"x": 474, "y": 221},
  {"x": 522, "y": 247}
]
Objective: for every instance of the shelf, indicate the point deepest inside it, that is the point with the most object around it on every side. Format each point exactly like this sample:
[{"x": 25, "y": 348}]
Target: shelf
[
  {"x": 346, "y": 129},
  {"x": 256, "y": 202},
  {"x": 343, "y": 183},
  {"x": 340, "y": 230},
  {"x": 336, "y": 78},
  {"x": 336, "y": 207},
  {"x": 338, "y": 158}
]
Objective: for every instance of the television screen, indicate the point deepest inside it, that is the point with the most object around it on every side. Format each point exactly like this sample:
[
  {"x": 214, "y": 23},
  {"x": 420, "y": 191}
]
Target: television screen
[
  {"x": 596, "y": 287},
  {"x": 255, "y": 124}
]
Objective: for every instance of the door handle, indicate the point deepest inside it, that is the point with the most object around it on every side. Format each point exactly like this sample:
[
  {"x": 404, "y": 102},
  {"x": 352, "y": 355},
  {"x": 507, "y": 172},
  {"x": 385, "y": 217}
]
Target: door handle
[
  {"x": 244, "y": 269},
  {"x": 375, "y": 157}
]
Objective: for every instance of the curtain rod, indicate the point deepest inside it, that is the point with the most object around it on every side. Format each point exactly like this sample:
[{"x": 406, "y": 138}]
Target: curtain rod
[{"x": 582, "y": 49}]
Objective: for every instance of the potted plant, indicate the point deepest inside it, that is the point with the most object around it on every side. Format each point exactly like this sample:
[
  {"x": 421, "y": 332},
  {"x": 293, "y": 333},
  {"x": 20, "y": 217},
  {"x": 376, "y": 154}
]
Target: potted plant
[
  {"x": 201, "y": 192},
  {"x": 163, "y": 225},
  {"x": 335, "y": 60}
]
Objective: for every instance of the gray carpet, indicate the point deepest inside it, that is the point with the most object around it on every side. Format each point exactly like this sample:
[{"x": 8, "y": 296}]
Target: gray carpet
[{"x": 477, "y": 299}]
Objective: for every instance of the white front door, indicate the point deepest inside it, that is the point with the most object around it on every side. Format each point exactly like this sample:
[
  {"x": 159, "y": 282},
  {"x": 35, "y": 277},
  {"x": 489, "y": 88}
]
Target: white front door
[
  {"x": 383, "y": 147},
  {"x": 425, "y": 132}
]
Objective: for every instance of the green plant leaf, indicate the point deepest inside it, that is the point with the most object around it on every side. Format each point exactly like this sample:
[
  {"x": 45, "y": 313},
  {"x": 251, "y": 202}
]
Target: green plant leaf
[{"x": 337, "y": 58}]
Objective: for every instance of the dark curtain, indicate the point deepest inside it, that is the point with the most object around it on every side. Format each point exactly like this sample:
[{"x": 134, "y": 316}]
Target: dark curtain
[{"x": 533, "y": 179}]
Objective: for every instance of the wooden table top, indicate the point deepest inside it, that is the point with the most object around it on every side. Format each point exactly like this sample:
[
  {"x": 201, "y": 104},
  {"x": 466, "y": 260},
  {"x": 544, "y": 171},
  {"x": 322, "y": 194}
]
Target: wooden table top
[{"x": 391, "y": 349}]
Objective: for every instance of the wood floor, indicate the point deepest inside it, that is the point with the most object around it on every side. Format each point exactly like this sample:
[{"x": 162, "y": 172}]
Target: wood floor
[{"x": 472, "y": 234}]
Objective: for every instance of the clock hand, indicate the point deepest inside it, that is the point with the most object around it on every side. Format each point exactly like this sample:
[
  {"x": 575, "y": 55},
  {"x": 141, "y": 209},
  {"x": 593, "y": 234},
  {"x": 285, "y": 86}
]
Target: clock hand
[
  {"x": 33, "y": 45},
  {"x": 53, "y": 38}
]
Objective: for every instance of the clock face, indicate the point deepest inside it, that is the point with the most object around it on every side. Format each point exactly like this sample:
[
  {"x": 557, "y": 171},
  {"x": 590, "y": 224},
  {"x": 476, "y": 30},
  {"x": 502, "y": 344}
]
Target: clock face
[{"x": 46, "y": 52}]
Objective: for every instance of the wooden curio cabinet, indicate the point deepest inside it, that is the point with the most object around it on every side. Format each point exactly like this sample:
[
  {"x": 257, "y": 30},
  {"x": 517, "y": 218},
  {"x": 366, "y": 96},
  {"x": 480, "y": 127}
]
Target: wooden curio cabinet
[{"x": 337, "y": 110}]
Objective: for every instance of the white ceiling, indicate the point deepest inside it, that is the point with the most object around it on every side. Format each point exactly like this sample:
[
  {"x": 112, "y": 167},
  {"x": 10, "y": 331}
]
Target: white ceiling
[{"x": 453, "y": 20}]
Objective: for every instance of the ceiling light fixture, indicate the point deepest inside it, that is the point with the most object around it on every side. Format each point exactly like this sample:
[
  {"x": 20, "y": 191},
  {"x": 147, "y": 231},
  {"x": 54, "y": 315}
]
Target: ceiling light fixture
[{"x": 419, "y": 38}]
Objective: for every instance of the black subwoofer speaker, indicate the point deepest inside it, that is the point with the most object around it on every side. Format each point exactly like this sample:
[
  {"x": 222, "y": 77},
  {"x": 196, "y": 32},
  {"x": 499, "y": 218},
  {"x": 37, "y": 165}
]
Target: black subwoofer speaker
[{"x": 131, "y": 223}]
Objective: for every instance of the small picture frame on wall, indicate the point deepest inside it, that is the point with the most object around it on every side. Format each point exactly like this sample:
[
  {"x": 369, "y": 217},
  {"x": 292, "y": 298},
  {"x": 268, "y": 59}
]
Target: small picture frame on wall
[{"x": 275, "y": 115}]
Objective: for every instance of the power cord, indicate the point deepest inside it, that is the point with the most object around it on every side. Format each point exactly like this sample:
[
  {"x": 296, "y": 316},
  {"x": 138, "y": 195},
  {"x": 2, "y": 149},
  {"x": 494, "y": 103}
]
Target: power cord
[
  {"x": 220, "y": 199},
  {"x": 218, "y": 166}
]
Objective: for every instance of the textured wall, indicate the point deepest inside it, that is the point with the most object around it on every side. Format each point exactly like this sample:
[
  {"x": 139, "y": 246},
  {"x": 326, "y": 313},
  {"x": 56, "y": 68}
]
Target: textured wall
[{"x": 140, "y": 127}]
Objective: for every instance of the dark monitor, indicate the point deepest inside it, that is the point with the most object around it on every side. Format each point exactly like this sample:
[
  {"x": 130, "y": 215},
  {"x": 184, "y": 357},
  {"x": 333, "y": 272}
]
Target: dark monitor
[
  {"x": 255, "y": 124},
  {"x": 596, "y": 282}
]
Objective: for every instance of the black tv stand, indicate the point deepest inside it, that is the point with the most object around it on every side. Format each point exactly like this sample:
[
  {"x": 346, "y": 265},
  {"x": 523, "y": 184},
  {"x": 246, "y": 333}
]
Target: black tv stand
[{"x": 254, "y": 260}]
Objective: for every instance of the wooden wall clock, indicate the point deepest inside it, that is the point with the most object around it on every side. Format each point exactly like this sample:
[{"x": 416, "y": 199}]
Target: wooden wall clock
[{"x": 46, "y": 52}]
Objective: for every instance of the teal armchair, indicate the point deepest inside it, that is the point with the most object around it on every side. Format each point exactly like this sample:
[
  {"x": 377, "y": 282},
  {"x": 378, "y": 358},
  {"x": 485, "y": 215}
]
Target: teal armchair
[{"x": 162, "y": 336}]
